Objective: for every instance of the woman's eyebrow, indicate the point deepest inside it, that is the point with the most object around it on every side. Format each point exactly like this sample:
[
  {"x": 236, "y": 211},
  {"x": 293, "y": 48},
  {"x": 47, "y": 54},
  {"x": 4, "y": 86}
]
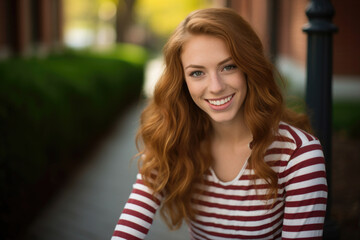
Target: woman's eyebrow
[
  {"x": 199, "y": 66},
  {"x": 194, "y": 66},
  {"x": 224, "y": 61}
]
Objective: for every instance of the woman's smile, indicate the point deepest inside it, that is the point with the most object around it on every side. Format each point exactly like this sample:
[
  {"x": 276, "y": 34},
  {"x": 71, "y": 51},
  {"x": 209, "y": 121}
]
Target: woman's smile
[
  {"x": 215, "y": 83},
  {"x": 220, "y": 103}
]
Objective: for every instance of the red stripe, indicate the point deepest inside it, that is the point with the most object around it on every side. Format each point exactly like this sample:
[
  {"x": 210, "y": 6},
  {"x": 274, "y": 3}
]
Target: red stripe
[
  {"x": 297, "y": 139},
  {"x": 306, "y": 202},
  {"x": 133, "y": 226},
  {"x": 277, "y": 163},
  {"x": 240, "y": 218},
  {"x": 245, "y": 197},
  {"x": 301, "y": 191},
  {"x": 249, "y": 177},
  {"x": 238, "y": 236},
  {"x": 236, "y": 207},
  {"x": 304, "y": 215},
  {"x": 302, "y": 164},
  {"x": 125, "y": 235},
  {"x": 140, "y": 181},
  {"x": 242, "y": 228},
  {"x": 197, "y": 235},
  {"x": 305, "y": 149},
  {"x": 147, "y": 195},
  {"x": 282, "y": 138},
  {"x": 308, "y": 136},
  {"x": 306, "y": 177},
  {"x": 138, "y": 215},
  {"x": 234, "y": 197},
  {"x": 235, "y": 187},
  {"x": 305, "y": 227},
  {"x": 142, "y": 204},
  {"x": 287, "y": 151}
]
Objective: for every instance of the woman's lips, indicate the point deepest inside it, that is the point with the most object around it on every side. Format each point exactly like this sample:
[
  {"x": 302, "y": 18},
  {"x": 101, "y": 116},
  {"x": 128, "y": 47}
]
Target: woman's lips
[{"x": 220, "y": 103}]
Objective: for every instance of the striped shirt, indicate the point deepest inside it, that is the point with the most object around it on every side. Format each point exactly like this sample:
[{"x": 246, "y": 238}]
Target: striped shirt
[{"x": 237, "y": 209}]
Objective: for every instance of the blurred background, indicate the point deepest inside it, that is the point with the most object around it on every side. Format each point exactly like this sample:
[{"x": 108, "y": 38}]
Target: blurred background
[{"x": 75, "y": 75}]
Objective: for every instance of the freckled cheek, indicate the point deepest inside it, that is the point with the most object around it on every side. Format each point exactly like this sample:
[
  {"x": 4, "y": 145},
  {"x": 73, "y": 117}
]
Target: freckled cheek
[
  {"x": 194, "y": 90},
  {"x": 240, "y": 83}
]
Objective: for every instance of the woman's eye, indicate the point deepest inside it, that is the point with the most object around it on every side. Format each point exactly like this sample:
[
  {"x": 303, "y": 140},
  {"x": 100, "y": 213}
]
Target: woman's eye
[
  {"x": 229, "y": 67},
  {"x": 196, "y": 74}
]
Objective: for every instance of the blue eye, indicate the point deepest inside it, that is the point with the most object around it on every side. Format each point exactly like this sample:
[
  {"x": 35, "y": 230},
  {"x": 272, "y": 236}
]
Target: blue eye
[
  {"x": 229, "y": 67},
  {"x": 196, "y": 74}
]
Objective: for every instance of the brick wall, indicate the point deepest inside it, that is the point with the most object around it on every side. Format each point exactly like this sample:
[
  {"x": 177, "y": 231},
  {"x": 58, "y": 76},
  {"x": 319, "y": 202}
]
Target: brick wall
[
  {"x": 29, "y": 26},
  {"x": 347, "y": 40},
  {"x": 257, "y": 14}
]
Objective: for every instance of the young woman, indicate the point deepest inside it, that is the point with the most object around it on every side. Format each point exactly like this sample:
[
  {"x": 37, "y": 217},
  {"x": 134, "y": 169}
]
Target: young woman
[{"x": 220, "y": 149}]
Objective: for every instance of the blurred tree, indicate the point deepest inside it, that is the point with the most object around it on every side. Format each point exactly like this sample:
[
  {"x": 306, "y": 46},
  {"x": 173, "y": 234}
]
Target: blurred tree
[
  {"x": 134, "y": 21},
  {"x": 89, "y": 23},
  {"x": 162, "y": 16},
  {"x": 124, "y": 18}
]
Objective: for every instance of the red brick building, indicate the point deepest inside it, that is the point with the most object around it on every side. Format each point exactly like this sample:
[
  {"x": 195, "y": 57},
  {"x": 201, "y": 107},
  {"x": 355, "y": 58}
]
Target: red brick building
[
  {"x": 279, "y": 24},
  {"x": 29, "y": 27}
]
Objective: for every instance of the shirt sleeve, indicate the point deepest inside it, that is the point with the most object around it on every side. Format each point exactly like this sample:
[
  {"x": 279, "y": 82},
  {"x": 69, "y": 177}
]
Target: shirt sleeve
[
  {"x": 305, "y": 193},
  {"x": 138, "y": 213}
]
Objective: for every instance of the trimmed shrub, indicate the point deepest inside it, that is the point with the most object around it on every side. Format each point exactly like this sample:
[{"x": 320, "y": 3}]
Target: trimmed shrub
[{"x": 52, "y": 109}]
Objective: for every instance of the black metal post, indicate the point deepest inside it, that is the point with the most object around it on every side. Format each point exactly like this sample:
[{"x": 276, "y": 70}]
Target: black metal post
[{"x": 319, "y": 87}]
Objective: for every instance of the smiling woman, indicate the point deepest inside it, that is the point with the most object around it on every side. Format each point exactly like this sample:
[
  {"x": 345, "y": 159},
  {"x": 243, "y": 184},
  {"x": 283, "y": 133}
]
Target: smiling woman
[
  {"x": 214, "y": 82},
  {"x": 218, "y": 147}
]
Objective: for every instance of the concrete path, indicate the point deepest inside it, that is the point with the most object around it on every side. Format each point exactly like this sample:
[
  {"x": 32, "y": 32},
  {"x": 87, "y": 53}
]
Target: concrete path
[{"x": 89, "y": 207}]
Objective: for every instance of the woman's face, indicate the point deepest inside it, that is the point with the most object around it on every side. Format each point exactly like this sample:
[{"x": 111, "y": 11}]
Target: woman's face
[{"x": 215, "y": 83}]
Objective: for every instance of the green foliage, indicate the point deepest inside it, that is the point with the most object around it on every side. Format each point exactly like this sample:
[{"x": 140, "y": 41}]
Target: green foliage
[
  {"x": 346, "y": 117},
  {"x": 128, "y": 52},
  {"x": 52, "y": 108}
]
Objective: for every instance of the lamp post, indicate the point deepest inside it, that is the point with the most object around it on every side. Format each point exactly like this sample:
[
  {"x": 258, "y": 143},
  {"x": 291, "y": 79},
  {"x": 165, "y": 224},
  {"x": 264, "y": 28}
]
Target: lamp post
[{"x": 319, "y": 87}]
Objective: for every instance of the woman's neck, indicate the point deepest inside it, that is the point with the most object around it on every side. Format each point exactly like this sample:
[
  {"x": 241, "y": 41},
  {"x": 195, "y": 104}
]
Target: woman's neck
[{"x": 235, "y": 132}]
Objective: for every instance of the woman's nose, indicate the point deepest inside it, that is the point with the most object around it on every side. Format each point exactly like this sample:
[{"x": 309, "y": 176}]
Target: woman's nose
[{"x": 215, "y": 83}]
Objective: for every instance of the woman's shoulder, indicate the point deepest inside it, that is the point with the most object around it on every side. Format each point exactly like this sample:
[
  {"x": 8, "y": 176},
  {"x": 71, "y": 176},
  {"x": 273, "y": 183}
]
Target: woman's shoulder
[
  {"x": 290, "y": 142},
  {"x": 294, "y": 135}
]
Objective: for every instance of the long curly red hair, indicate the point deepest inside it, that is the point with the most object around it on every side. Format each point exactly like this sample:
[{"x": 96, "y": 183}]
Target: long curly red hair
[{"x": 174, "y": 132}]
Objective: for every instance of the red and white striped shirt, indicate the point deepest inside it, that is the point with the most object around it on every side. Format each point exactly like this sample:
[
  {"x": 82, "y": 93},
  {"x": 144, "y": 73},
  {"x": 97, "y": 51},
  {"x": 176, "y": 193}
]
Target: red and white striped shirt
[{"x": 237, "y": 209}]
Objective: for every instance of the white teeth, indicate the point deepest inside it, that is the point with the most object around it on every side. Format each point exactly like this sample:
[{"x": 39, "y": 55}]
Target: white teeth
[{"x": 220, "y": 102}]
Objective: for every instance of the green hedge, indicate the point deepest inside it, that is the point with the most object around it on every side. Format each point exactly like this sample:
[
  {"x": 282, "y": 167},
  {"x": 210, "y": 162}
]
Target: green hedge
[
  {"x": 53, "y": 108},
  {"x": 346, "y": 117}
]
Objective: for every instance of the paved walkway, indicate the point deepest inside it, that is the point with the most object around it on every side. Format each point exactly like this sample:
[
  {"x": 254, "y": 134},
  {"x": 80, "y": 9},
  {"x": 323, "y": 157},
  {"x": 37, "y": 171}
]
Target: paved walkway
[{"x": 88, "y": 208}]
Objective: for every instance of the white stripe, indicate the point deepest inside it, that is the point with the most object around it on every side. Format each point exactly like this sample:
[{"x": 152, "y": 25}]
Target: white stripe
[
  {"x": 282, "y": 145},
  {"x": 304, "y": 234},
  {"x": 300, "y": 134},
  {"x": 117, "y": 238},
  {"x": 240, "y": 183},
  {"x": 303, "y": 209},
  {"x": 306, "y": 170},
  {"x": 311, "y": 195},
  {"x": 303, "y": 221},
  {"x": 143, "y": 199},
  {"x": 236, "y": 193},
  {"x": 144, "y": 188},
  {"x": 139, "y": 209},
  {"x": 236, "y": 213},
  {"x": 207, "y": 236},
  {"x": 244, "y": 224},
  {"x": 277, "y": 157},
  {"x": 230, "y": 202},
  {"x": 307, "y": 183},
  {"x": 130, "y": 231},
  {"x": 135, "y": 219},
  {"x": 305, "y": 156}
]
